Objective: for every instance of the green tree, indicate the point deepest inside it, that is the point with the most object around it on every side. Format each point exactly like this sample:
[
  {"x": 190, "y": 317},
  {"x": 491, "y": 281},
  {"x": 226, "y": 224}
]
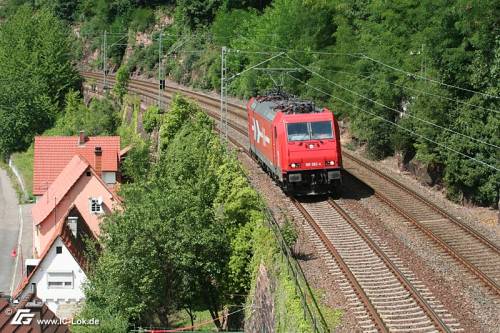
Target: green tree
[
  {"x": 122, "y": 78},
  {"x": 151, "y": 119},
  {"x": 196, "y": 13},
  {"x": 36, "y": 72},
  {"x": 100, "y": 118},
  {"x": 182, "y": 240},
  {"x": 137, "y": 164}
]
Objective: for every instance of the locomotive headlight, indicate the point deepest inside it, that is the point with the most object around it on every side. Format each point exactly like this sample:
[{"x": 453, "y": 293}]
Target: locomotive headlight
[
  {"x": 330, "y": 162},
  {"x": 295, "y": 165}
]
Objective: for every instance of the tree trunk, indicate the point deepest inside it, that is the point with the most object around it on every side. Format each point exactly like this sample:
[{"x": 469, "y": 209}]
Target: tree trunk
[
  {"x": 191, "y": 315},
  {"x": 215, "y": 317}
]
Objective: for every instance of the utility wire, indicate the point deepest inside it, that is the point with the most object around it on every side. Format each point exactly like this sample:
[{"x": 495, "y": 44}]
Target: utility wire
[
  {"x": 354, "y": 55},
  {"x": 428, "y": 79},
  {"x": 397, "y": 125},
  {"x": 364, "y": 56},
  {"x": 254, "y": 66},
  {"x": 252, "y": 52},
  {"x": 388, "y": 107},
  {"x": 409, "y": 88}
]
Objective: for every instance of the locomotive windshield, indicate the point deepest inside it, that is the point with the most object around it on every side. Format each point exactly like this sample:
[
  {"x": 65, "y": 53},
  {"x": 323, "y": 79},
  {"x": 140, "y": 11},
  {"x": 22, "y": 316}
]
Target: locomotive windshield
[
  {"x": 318, "y": 130},
  {"x": 298, "y": 131},
  {"x": 321, "y": 130}
]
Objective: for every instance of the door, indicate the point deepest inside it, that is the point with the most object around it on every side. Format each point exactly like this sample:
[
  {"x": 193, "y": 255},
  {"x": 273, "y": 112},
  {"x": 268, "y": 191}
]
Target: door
[{"x": 276, "y": 161}]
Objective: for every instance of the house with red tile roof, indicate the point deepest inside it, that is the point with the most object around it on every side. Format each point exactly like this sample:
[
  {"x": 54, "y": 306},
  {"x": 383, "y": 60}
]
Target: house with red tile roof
[
  {"x": 53, "y": 153},
  {"x": 35, "y": 310},
  {"x": 76, "y": 193},
  {"x": 58, "y": 275}
]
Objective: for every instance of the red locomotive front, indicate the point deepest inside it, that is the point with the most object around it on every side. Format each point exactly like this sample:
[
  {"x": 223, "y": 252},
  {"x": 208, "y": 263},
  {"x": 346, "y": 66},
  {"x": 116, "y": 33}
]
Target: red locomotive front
[{"x": 298, "y": 144}]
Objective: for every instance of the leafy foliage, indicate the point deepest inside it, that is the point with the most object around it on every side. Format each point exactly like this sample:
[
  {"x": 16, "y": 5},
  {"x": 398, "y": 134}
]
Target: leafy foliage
[
  {"x": 372, "y": 63},
  {"x": 196, "y": 13},
  {"x": 122, "y": 78},
  {"x": 100, "y": 118},
  {"x": 36, "y": 72},
  {"x": 289, "y": 233},
  {"x": 177, "y": 116},
  {"x": 182, "y": 241},
  {"x": 151, "y": 119},
  {"x": 137, "y": 164}
]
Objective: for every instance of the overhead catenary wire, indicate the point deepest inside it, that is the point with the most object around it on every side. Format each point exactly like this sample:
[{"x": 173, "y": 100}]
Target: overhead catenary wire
[
  {"x": 388, "y": 107},
  {"x": 354, "y": 55},
  {"x": 397, "y": 125},
  {"x": 363, "y": 56},
  {"x": 427, "y": 78},
  {"x": 254, "y": 66},
  {"x": 412, "y": 89}
]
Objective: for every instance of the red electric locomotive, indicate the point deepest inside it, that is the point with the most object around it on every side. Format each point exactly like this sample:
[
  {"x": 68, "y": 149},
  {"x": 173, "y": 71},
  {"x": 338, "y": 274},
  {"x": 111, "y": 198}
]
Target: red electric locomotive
[{"x": 297, "y": 143}]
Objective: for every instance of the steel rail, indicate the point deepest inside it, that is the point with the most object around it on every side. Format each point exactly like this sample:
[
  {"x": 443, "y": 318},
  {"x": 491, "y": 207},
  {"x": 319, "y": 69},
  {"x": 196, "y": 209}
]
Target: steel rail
[
  {"x": 350, "y": 276},
  {"x": 210, "y": 100},
  {"x": 492, "y": 285},
  {"x": 432, "y": 205},
  {"x": 363, "y": 297},
  {"x": 438, "y": 323}
]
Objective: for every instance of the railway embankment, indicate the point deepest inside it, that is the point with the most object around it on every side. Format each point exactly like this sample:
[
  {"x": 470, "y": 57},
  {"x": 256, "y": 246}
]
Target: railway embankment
[{"x": 469, "y": 304}]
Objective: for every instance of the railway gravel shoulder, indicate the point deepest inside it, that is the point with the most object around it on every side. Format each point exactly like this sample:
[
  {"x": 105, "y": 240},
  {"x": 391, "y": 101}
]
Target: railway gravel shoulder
[{"x": 452, "y": 325}]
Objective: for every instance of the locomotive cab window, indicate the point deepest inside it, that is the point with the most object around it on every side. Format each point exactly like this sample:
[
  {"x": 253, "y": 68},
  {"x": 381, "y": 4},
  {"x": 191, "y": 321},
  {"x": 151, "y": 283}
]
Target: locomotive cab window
[
  {"x": 321, "y": 130},
  {"x": 298, "y": 131},
  {"x": 318, "y": 130}
]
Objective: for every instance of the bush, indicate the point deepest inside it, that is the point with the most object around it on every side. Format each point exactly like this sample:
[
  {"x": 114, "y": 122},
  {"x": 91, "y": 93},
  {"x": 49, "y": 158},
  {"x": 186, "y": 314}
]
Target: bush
[
  {"x": 142, "y": 18},
  {"x": 122, "y": 78},
  {"x": 137, "y": 164},
  {"x": 180, "y": 111},
  {"x": 151, "y": 119},
  {"x": 289, "y": 233},
  {"x": 100, "y": 118}
]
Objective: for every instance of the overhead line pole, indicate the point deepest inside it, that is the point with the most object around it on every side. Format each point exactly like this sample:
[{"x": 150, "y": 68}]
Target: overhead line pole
[
  {"x": 105, "y": 54},
  {"x": 224, "y": 80},
  {"x": 104, "y": 60},
  {"x": 159, "y": 71},
  {"x": 223, "y": 96}
]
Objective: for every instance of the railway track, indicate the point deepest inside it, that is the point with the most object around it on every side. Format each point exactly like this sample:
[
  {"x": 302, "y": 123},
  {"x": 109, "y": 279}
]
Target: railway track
[
  {"x": 471, "y": 249},
  {"x": 384, "y": 295},
  {"x": 375, "y": 280}
]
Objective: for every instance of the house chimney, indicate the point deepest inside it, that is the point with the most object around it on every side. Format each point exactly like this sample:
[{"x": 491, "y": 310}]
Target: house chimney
[
  {"x": 98, "y": 161},
  {"x": 82, "y": 138}
]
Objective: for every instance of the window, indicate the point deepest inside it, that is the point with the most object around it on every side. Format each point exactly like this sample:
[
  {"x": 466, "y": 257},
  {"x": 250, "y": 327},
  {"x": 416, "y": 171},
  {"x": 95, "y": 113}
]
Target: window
[
  {"x": 60, "y": 280},
  {"x": 58, "y": 249},
  {"x": 298, "y": 131},
  {"x": 96, "y": 205},
  {"x": 321, "y": 130},
  {"x": 318, "y": 130},
  {"x": 109, "y": 177}
]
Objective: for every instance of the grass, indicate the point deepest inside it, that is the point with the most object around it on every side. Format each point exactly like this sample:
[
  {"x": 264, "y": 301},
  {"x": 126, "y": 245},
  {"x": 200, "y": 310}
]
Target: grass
[
  {"x": 333, "y": 317},
  {"x": 13, "y": 180},
  {"x": 181, "y": 319},
  {"x": 24, "y": 163}
]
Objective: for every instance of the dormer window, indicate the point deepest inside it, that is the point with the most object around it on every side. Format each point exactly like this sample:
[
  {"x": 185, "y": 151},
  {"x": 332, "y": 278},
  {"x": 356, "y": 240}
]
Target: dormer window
[{"x": 96, "y": 205}]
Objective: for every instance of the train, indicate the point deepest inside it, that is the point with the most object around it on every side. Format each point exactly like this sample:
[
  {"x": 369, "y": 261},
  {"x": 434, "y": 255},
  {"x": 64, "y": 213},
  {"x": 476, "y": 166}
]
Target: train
[{"x": 297, "y": 143}]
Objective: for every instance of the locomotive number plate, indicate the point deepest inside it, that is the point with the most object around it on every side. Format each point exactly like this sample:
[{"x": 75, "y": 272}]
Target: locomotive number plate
[{"x": 313, "y": 164}]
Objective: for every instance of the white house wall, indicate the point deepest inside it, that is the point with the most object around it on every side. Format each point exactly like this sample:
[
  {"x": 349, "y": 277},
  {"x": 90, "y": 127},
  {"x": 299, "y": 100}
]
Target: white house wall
[{"x": 53, "y": 262}]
